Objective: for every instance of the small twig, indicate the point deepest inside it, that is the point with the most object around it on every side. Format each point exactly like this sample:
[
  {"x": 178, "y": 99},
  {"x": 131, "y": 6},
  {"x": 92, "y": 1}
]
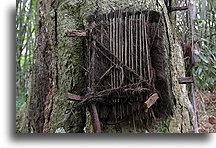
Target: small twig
[{"x": 83, "y": 67}]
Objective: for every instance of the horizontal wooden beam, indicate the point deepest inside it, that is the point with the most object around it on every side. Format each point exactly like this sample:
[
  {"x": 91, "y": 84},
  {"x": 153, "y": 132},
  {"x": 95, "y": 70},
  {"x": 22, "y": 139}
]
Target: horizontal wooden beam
[
  {"x": 185, "y": 80},
  {"x": 151, "y": 100},
  {"x": 73, "y": 97},
  {"x": 177, "y": 8},
  {"x": 76, "y": 33}
]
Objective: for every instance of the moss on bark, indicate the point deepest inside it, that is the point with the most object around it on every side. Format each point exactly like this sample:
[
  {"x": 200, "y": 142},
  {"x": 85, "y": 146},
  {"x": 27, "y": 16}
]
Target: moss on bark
[{"x": 68, "y": 76}]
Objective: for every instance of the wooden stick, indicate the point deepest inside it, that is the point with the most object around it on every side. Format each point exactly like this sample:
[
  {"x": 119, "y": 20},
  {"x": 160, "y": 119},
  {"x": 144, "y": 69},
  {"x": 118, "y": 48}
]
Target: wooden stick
[
  {"x": 126, "y": 36},
  {"x": 143, "y": 48},
  {"x": 147, "y": 49},
  {"x": 195, "y": 108},
  {"x": 95, "y": 119},
  {"x": 140, "y": 44},
  {"x": 122, "y": 76},
  {"x": 177, "y": 8},
  {"x": 114, "y": 49},
  {"x": 132, "y": 43},
  {"x": 136, "y": 43},
  {"x": 76, "y": 33},
  {"x": 106, "y": 73},
  {"x": 129, "y": 44},
  {"x": 151, "y": 100},
  {"x": 185, "y": 80},
  {"x": 93, "y": 55},
  {"x": 110, "y": 49},
  {"x": 122, "y": 39},
  {"x": 101, "y": 33},
  {"x": 73, "y": 97}
]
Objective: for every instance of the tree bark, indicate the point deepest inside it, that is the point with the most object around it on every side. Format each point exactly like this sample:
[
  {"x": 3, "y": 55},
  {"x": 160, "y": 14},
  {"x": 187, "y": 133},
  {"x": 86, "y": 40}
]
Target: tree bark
[{"x": 59, "y": 64}]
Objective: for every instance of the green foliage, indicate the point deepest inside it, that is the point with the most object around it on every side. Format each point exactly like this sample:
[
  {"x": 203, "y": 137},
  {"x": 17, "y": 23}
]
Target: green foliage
[
  {"x": 205, "y": 32},
  {"x": 209, "y": 107},
  {"x": 203, "y": 29},
  {"x": 205, "y": 69},
  {"x": 20, "y": 100}
]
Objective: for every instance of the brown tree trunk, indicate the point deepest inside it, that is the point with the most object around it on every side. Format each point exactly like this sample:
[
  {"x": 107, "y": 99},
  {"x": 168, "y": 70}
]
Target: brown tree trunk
[{"x": 41, "y": 75}]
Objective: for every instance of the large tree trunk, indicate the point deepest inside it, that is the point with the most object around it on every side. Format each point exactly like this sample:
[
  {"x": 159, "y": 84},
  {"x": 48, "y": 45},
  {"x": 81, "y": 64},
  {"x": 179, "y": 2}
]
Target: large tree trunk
[{"x": 59, "y": 68}]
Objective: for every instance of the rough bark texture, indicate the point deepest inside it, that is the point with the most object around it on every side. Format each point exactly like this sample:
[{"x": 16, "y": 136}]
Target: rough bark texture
[
  {"x": 64, "y": 73},
  {"x": 40, "y": 75},
  {"x": 68, "y": 75}
]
